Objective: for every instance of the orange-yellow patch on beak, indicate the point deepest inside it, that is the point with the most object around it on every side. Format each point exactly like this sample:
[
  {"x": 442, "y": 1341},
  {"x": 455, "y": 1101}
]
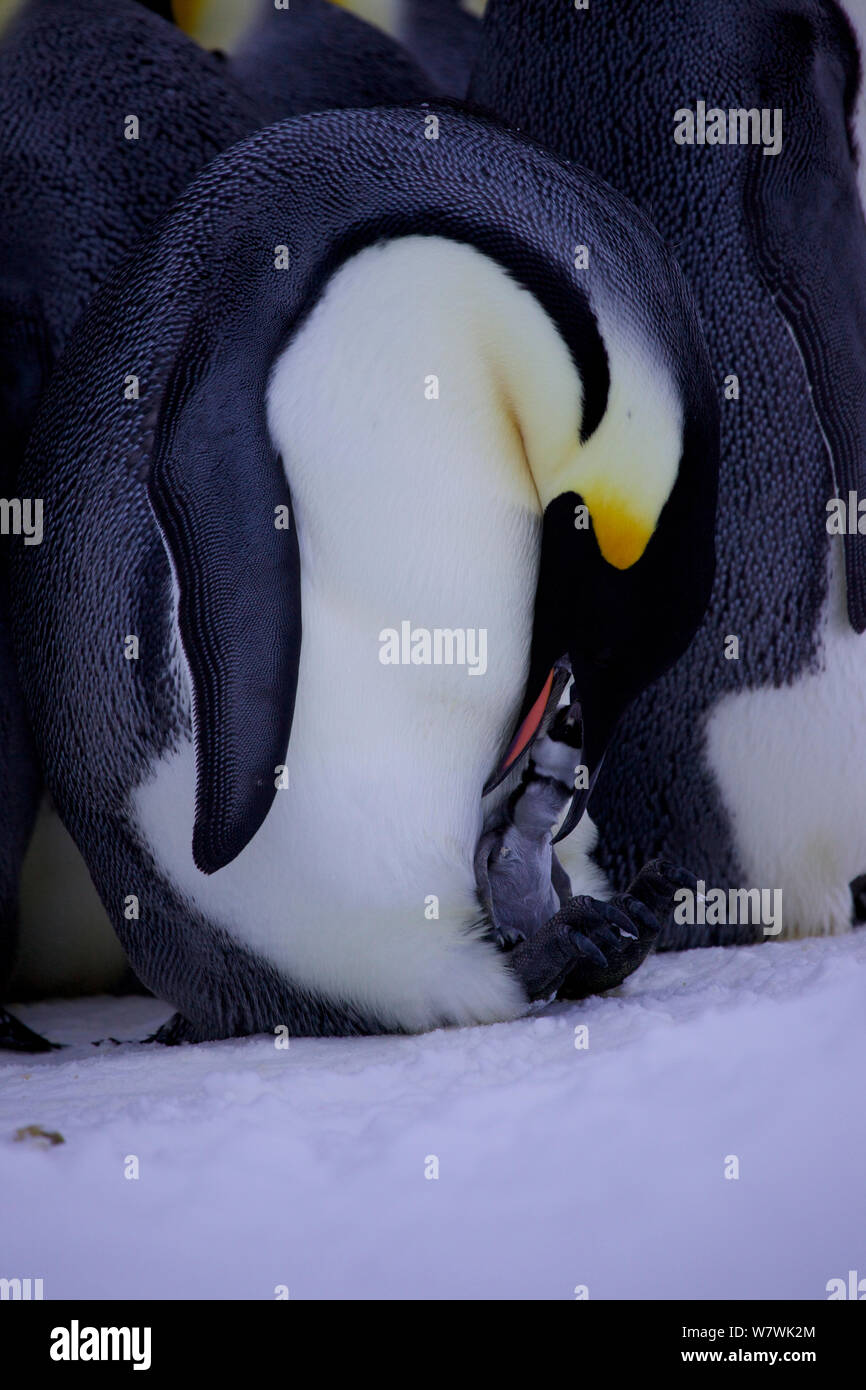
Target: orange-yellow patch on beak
[
  {"x": 188, "y": 14},
  {"x": 621, "y": 533},
  {"x": 216, "y": 23}
]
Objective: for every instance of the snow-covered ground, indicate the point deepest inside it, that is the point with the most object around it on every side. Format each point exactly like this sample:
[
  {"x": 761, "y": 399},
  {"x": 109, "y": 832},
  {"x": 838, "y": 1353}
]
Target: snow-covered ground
[{"x": 558, "y": 1166}]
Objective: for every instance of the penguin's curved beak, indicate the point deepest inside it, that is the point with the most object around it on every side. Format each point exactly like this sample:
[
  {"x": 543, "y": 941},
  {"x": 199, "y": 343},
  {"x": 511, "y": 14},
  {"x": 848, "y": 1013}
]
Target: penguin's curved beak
[
  {"x": 575, "y": 611},
  {"x": 597, "y": 716},
  {"x": 529, "y": 726},
  {"x": 536, "y": 715}
]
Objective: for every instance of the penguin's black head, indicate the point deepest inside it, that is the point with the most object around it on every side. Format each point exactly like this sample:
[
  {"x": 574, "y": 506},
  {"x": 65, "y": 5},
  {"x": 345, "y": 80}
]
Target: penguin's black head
[{"x": 627, "y": 554}]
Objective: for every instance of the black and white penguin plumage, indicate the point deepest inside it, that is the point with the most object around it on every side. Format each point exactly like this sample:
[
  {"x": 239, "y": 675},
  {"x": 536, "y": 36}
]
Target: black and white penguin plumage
[
  {"x": 388, "y": 381},
  {"x": 317, "y": 57},
  {"x": 746, "y": 760},
  {"x": 80, "y": 184}
]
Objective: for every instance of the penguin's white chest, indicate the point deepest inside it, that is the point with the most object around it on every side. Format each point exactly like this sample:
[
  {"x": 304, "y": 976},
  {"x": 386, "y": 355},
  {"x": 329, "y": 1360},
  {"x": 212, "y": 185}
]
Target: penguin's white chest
[
  {"x": 419, "y": 528},
  {"x": 791, "y": 766}
]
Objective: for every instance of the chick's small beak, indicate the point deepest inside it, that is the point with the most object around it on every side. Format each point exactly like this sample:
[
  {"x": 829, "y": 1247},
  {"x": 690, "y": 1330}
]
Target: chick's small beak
[{"x": 599, "y": 717}]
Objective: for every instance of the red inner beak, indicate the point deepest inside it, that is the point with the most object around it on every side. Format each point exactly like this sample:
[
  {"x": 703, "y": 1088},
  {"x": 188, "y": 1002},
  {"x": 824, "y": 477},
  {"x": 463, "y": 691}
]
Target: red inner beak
[{"x": 529, "y": 728}]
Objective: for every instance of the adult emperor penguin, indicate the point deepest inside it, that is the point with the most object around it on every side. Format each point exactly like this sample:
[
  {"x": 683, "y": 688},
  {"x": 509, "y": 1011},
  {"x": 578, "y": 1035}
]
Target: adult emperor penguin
[
  {"x": 316, "y": 57},
  {"x": 106, "y": 113},
  {"x": 445, "y": 393},
  {"x": 734, "y": 132}
]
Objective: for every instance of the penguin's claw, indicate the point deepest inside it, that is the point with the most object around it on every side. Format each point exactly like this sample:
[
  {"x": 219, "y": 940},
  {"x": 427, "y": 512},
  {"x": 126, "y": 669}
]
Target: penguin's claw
[
  {"x": 508, "y": 937},
  {"x": 858, "y": 898},
  {"x": 629, "y": 927},
  {"x": 622, "y": 933},
  {"x": 588, "y": 947},
  {"x": 592, "y": 946},
  {"x": 15, "y": 1036},
  {"x": 656, "y": 885},
  {"x": 177, "y": 1030}
]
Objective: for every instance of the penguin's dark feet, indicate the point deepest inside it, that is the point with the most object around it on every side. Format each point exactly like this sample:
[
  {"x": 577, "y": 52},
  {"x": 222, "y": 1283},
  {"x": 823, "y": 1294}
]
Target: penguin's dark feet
[
  {"x": 858, "y": 898},
  {"x": 177, "y": 1030},
  {"x": 507, "y": 938},
  {"x": 625, "y": 945},
  {"x": 15, "y": 1036},
  {"x": 588, "y": 947},
  {"x": 591, "y": 946}
]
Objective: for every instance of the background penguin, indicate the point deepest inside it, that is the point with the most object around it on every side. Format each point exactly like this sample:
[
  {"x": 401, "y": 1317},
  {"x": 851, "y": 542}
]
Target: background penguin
[
  {"x": 444, "y": 36},
  {"x": 316, "y": 57},
  {"x": 370, "y": 360},
  {"x": 326, "y": 54},
  {"x": 75, "y": 171},
  {"x": 77, "y": 195},
  {"x": 746, "y": 760}
]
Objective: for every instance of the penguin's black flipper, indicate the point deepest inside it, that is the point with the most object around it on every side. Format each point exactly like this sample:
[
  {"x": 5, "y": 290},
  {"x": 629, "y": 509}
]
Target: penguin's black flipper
[
  {"x": 15, "y": 1036},
  {"x": 220, "y": 496},
  {"x": 806, "y": 224}
]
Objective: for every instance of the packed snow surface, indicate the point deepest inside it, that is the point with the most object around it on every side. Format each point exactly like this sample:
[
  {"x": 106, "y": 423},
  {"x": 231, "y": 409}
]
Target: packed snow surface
[{"x": 558, "y": 1165}]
